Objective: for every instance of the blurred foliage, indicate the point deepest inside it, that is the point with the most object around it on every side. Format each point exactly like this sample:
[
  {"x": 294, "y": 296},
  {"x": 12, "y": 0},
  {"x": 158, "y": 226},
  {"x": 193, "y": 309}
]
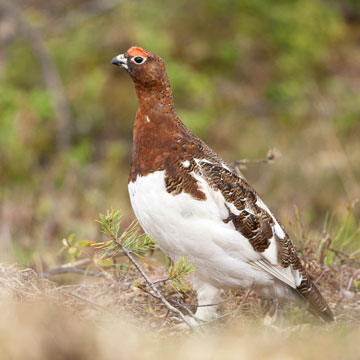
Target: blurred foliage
[{"x": 247, "y": 75}]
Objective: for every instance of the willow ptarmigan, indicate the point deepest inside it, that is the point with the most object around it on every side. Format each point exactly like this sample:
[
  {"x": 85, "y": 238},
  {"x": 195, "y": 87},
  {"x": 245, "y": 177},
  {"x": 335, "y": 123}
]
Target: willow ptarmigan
[{"x": 193, "y": 204}]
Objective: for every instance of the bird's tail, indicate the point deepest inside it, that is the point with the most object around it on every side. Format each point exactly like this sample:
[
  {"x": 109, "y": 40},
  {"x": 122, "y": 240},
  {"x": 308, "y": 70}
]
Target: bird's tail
[{"x": 316, "y": 304}]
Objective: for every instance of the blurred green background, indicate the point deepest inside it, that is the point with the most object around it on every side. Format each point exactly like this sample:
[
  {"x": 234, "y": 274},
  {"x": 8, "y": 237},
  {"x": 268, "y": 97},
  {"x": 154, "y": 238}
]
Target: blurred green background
[{"x": 247, "y": 75}]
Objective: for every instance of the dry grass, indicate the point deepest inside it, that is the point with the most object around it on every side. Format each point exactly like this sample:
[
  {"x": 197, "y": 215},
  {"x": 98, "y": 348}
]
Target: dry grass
[{"x": 107, "y": 319}]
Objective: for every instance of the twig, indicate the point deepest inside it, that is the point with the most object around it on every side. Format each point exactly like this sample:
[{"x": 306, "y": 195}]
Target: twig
[
  {"x": 341, "y": 293},
  {"x": 204, "y": 305},
  {"x": 73, "y": 270},
  {"x": 162, "y": 280},
  {"x": 350, "y": 282},
  {"x": 179, "y": 303},
  {"x": 338, "y": 253},
  {"x": 153, "y": 287},
  {"x": 243, "y": 301},
  {"x": 72, "y": 267},
  {"x": 324, "y": 247},
  {"x": 271, "y": 156},
  {"x": 150, "y": 293},
  {"x": 165, "y": 317},
  {"x": 320, "y": 276},
  {"x": 241, "y": 164},
  {"x": 110, "y": 225},
  {"x": 213, "y": 304},
  {"x": 90, "y": 302},
  {"x": 351, "y": 279},
  {"x": 232, "y": 314}
]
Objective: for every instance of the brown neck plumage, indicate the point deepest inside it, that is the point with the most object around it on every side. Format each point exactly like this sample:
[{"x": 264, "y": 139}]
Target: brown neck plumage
[
  {"x": 156, "y": 130},
  {"x": 158, "y": 98}
]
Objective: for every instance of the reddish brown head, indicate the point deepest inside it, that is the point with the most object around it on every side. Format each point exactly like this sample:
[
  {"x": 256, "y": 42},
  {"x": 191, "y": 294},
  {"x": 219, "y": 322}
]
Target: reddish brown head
[
  {"x": 150, "y": 78},
  {"x": 146, "y": 68}
]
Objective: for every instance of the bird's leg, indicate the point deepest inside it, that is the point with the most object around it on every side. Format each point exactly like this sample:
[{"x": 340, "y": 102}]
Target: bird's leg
[
  {"x": 208, "y": 296},
  {"x": 269, "y": 308}
]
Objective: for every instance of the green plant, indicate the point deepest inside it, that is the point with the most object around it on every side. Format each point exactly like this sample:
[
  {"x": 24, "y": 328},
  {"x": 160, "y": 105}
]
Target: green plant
[{"x": 344, "y": 243}]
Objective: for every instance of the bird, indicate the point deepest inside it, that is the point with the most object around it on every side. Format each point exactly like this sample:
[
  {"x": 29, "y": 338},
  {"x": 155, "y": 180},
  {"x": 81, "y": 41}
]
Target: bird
[{"x": 194, "y": 204}]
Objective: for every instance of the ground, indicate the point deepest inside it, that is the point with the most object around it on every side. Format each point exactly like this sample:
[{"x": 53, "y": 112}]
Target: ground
[{"x": 107, "y": 317}]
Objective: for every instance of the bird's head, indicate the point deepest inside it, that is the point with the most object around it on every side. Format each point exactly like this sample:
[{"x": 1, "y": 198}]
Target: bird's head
[{"x": 146, "y": 68}]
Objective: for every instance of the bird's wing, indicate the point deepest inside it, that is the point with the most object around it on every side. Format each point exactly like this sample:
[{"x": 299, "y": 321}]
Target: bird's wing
[{"x": 253, "y": 220}]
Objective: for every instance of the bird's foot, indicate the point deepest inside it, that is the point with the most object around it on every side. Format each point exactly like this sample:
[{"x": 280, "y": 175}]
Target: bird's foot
[{"x": 193, "y": 321}]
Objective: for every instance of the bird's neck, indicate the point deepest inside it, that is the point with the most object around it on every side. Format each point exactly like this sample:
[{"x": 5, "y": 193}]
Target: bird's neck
[
  {"x": 157, "y": 132},
  {"x": 156, "y": 115},
  {"x": 155, "y": 99},
  {"x": 156, "y": 120}
]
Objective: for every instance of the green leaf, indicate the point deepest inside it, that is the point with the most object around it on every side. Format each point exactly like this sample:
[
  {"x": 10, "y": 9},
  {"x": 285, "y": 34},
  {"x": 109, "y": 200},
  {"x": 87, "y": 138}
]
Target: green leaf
[
  {"x": 70, "y": 239},
  {"x": 105, "y": 262},
  {"x": 73, "y": 251},
  {"x": 83, "y": 243}
]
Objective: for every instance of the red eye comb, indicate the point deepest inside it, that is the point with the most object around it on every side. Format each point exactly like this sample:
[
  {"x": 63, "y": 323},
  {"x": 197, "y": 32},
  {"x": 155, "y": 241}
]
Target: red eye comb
[{"x": 137, "y": 51}]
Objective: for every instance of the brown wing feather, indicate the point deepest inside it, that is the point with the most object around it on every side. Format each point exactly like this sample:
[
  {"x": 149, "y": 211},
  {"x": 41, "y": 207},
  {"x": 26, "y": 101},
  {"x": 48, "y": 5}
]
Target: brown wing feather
[{"x": 257, "y": 227}]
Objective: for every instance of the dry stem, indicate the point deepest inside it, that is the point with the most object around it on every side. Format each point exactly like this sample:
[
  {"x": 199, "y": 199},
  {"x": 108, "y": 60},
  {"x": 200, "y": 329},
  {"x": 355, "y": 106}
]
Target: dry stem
[{"x": 154, "y": 290}]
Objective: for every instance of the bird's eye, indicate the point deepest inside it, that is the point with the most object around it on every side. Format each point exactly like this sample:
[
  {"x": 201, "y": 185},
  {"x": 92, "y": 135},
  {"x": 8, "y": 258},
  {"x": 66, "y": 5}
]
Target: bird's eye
[{"x": 138, "y": 59}]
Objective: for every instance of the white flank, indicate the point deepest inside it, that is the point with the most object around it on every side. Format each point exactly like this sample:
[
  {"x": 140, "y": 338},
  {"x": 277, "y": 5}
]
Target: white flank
[{"x": 183, "y": 226}]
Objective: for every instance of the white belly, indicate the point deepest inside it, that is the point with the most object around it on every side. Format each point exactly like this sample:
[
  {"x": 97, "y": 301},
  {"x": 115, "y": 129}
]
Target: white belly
[{"x": 183, "y": 226}]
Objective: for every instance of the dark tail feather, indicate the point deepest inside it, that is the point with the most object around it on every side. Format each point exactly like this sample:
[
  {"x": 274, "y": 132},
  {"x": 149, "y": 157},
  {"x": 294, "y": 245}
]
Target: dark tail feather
[{"x": 316, "y": 304}]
